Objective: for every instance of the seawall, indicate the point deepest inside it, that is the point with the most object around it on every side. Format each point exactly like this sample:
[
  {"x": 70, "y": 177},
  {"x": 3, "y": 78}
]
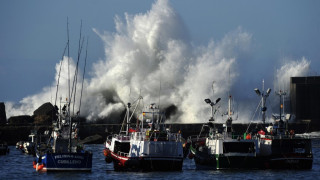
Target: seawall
[{"x": 14, "y": 133}]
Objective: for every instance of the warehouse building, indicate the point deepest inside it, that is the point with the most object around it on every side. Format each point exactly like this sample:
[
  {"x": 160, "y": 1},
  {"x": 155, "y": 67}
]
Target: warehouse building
[{"x": 305, "y": 99}]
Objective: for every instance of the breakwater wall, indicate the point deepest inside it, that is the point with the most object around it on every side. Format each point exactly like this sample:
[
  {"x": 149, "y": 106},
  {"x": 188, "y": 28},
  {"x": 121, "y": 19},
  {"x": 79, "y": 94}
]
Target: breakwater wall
[{"x": 14, "y": 133}]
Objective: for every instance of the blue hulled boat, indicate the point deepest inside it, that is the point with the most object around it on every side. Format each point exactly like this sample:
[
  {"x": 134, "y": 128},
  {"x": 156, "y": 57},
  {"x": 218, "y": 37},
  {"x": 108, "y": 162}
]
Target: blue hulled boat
[{"x": 64, "y": 151}]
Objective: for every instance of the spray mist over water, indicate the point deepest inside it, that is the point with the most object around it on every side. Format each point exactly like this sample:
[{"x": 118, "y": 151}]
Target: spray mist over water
[
  {"x": 150, "y": 54},
  {"x": 290, "y": 68}
]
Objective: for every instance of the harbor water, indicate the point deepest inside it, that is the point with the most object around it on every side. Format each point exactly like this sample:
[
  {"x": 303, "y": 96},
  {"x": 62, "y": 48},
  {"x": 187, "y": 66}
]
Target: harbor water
[{"x": 17, "y": 165}]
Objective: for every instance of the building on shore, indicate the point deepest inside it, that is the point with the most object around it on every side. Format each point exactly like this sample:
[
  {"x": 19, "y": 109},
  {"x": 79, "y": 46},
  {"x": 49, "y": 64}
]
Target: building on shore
[{"x": 305, "y": 99}]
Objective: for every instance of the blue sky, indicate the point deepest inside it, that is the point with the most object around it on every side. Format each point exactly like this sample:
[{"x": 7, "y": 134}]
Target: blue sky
[{"x": 33, "y": 34}]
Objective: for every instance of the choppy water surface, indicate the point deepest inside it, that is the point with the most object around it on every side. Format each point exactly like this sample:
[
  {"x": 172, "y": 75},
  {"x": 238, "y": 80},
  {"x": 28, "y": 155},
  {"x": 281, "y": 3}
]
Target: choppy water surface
[{"x": 16, "y": 165}]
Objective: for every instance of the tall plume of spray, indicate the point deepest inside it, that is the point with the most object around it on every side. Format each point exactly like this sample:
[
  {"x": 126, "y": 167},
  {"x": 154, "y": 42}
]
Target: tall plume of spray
[
  {"x": 290, "y": 68},
  {"x": 150, "y": 55}
]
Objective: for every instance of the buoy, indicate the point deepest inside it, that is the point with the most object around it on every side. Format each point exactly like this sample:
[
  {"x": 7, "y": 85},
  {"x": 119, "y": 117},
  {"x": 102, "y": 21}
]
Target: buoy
[
  {"x": 34, "y": 163},
  {"x": 37, "y": 166},
  {"x": 248, "y": 136},
  {"x": 40, "y": 167},
  {"x": 105, "y": 152}
]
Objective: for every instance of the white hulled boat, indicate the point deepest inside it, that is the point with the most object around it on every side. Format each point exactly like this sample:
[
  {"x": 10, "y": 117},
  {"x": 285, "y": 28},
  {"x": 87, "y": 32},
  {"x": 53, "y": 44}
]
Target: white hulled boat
[
  {"x": 147, "y": 147},
  {"x": 224, "y": 150}
]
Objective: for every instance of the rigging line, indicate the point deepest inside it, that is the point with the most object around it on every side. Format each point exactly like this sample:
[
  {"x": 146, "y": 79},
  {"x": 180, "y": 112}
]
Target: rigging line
[
  {"x": 64, "y": 51},
  {"x": 159, "y": 91},
  {"x": 134, "y": 109},
  {"x": 77, "y": 69},
  {"x": 84, "y": 71},
  {"x": 256, "y": 109},
  {"x": 139, "y": 98},
  {"x": 125, "y": 116},
  {"x": 254, "y": 115},
  {"x": 69, "y": 99},
  {"x": 68, "y": 63},
  {"x": 75, "y": 79}
]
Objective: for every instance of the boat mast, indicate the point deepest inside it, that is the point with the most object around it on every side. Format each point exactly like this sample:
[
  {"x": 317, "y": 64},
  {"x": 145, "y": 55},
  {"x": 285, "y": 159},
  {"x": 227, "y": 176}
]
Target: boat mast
[
  {"x": 69, "y": 96},
  {"x": 75, "y": 79},
  {"x": 128, "y": 118},
  {"x": 208, "y": 101},
  {"x": 282, "y": 94},
  {"x": 64, "y": 51},
  {"x": 84, "y": 71},
  {"x": 263, "y": 100},
  {"x": 229, "y": 107},
  {"x": 228, "y": 128}
]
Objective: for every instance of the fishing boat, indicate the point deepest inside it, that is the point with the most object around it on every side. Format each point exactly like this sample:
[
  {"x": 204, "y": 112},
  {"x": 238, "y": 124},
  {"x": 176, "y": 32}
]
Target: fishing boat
[
  {"x": 222, "y": 149},
  {"x": 148, "y": 146},
  {"x": 279, "y": 147},
  {"x": 29, "y": 147},
  {"x": 64, "y": 151},
  {"x": 19, "y": 146}
]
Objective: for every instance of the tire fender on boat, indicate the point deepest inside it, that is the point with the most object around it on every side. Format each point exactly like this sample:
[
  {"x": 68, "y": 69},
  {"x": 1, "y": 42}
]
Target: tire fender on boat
[{"x": 190, "y": 155}]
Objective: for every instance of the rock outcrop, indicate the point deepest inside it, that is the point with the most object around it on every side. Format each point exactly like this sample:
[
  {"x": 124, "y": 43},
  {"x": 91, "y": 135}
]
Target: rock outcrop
[
  {"x": 45, "y": 114},
  {"x": 3, "y": 117}
]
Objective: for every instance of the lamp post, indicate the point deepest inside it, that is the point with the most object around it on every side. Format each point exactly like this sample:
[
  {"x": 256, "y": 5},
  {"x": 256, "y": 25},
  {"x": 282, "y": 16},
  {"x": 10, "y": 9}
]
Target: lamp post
[
  {"x": 263, "y": 96},
  {"x": 208, "y": 101}
]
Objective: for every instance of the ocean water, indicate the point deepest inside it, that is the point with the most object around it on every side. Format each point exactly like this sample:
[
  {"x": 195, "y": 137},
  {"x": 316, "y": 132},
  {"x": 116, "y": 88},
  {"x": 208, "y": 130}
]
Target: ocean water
[{"x": 17, "y": 165}]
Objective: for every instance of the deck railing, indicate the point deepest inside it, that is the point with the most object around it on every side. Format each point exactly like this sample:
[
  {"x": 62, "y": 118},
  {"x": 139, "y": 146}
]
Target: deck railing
[{"x": 123, "y": 154}]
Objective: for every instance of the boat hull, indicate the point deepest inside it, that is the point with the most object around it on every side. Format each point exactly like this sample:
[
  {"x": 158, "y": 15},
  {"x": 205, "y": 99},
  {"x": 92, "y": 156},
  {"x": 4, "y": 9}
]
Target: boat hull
[
  {"x": 292, "y": 153},
  {"x": 237, "y": 162},
  {"x": 289, "y": 162},
  {"x": 148, "y": 164},
  {"x": 65, "y": 162},
  {"x": 213, "y": 162}
]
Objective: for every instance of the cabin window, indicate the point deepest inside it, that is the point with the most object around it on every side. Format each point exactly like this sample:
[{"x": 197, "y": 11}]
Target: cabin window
[
  {"x": 122, "y": 147},
  {"x": 238, "y": 147}
]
